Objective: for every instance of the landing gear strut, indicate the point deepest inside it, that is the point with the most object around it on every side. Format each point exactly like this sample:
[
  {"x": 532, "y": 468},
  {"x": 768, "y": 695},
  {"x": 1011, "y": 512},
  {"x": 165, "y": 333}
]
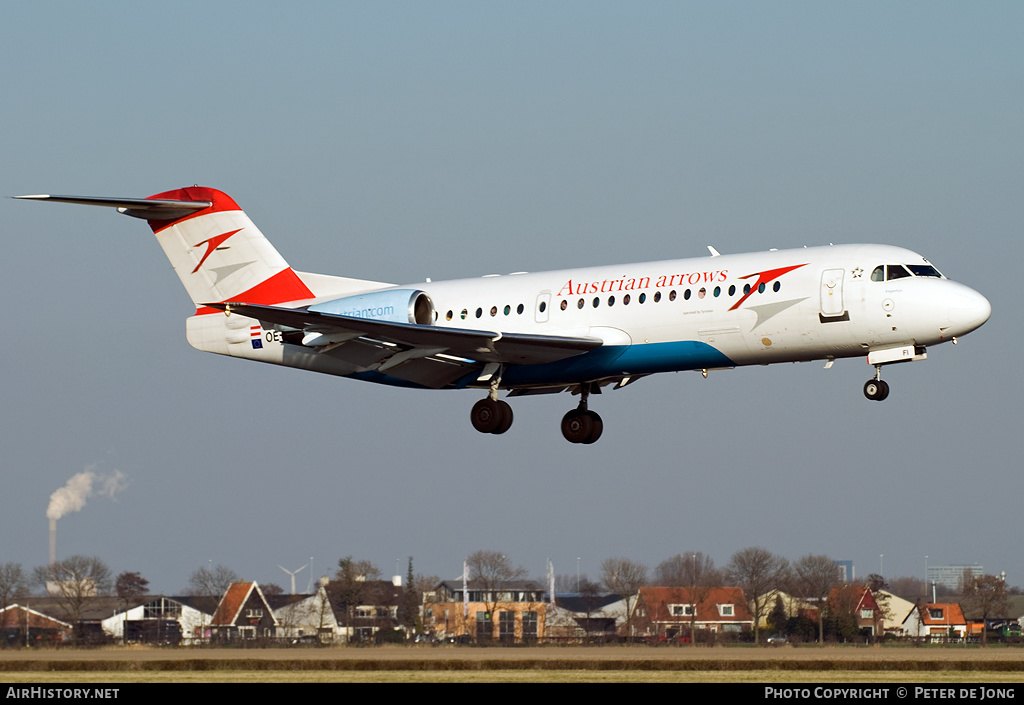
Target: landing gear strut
[
  {"x": 491, "y": 415},
  {"x": 582, "y": 425},
  {"x": 876, "y": 389}
]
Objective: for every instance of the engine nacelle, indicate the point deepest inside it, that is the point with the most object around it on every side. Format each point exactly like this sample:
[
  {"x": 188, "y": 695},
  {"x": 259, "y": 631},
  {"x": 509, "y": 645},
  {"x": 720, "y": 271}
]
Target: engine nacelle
[{"x": 393, "y": 305}]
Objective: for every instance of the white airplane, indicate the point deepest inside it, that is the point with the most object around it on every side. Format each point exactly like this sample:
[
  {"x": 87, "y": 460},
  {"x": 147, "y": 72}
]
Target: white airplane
[{"x": 577, "y": 330}]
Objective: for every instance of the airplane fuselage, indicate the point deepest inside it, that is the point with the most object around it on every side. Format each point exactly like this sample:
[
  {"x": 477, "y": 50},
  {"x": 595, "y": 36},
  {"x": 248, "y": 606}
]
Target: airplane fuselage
[
  {"x": 815, "y": 303},
  {"x": 572, "y": 330}
]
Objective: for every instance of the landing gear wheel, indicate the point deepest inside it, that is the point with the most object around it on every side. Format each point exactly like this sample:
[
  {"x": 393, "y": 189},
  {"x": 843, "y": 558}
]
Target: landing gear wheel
[
  {"x": 580, "y": 426},
  {"x": 597, "y": 426},
  {"x": 876, "y": 389},
  {"x": 490, "y": 416},
  {"x": 577, "y": 426},
  {"x": 486, "y": 416},
  {"x": 506, "y": 417}
]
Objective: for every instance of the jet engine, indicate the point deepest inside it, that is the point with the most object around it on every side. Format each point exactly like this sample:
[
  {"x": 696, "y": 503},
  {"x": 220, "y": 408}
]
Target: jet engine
[{"x": 392, "y": 305}]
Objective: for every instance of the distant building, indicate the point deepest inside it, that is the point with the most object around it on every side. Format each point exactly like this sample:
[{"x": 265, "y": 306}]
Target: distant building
[
  {"x": 951, "y": 576},
  {"x": 847, "y": 574}
]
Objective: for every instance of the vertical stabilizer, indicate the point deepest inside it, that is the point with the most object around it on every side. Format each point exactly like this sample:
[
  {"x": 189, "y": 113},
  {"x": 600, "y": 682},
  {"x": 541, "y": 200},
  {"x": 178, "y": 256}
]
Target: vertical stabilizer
[{"x": 220, "y": 255}]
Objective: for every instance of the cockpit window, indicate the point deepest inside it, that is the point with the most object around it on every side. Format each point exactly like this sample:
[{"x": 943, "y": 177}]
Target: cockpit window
[
  {"x": 895, "y": 271},
  {"x": 878, "y": 275},
  {"x": 924, "y": 270}
]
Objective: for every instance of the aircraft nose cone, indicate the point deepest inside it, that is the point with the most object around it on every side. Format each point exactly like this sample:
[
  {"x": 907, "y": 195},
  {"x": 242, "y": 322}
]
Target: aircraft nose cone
[{"x": 968, "y": 310}]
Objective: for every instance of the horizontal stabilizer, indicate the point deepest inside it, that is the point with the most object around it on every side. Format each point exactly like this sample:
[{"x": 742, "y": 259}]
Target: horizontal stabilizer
[
  {"x": 145, "y": 208},
  {"x": 478, "y": 345}
]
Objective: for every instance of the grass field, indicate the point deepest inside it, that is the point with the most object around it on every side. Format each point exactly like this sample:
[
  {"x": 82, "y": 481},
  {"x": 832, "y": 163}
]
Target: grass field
[{"x": 449, "y": 665}]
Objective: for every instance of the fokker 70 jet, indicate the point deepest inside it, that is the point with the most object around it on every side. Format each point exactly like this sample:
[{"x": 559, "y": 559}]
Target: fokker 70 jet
[{"x": 579, "y": 330}]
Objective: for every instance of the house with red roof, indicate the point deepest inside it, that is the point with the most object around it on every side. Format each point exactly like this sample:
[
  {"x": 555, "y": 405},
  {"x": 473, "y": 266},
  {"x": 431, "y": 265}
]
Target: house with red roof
[
  {"x": 21, "y": 625},
  {"x": 243, "y": 614},
  {"x": 669, "y": 612},
  {"x": 936, "y": 620},
  {"x": 858, "y": 602}
]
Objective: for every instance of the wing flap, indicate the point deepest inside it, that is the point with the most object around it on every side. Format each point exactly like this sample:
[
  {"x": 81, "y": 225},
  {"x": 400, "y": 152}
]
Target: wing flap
[{"x": 475, "y": 345}]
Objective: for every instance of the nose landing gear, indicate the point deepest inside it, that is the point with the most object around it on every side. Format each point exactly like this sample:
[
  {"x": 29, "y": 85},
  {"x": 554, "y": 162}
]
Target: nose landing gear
[{"x": 876, "y": 389}]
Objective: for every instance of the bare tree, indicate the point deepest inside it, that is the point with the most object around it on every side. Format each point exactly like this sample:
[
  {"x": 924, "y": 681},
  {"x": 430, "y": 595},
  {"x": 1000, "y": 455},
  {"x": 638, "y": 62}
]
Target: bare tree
[
  {"x": 74, "y": 580},
  {"x": 986, "y": 595},
  {"x": 567, "y": 582},
  {"x": 624, "y": 577},
  {"x": 491, "y": 572},
  {"x": 211, "y": 582},
  {"x": 13, "y": 583},
  {"x": 908, "y": 587},
  {"x": 670, "y": 572},
  {"x": 758, "y": 572},
  {"x": 425, "y": 589},
  {"x": 271, "y": 590},
  {"x": 814, "y": 577}
]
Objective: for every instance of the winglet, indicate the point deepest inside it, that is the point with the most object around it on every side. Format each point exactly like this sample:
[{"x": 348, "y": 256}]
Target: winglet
[{"x": 714, "y": 252}]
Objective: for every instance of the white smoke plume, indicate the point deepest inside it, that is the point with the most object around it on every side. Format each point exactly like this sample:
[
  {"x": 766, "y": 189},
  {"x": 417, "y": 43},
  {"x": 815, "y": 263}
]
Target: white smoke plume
[{"x": 73, "y": 495}]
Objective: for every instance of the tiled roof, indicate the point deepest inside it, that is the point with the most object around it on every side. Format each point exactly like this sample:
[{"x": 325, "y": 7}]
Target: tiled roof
[
  {"x": 231, "y": 603},
  {"x": 951, "y": 613},
  {"x": 657, "y": 601}
]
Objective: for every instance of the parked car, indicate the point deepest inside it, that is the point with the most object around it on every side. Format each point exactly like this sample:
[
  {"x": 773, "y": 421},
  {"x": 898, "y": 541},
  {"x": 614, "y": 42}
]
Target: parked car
[{"x": 778, "y": 639}]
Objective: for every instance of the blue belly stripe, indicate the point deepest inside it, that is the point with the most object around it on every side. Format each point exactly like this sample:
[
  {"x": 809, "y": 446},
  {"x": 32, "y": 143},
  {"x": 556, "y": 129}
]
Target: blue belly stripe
[{"x": 606, "y": 361}]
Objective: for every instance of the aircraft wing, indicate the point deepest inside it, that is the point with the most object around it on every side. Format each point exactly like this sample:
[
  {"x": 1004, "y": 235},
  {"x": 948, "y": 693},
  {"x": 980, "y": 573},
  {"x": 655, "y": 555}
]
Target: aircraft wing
[{"x": 406, "y": 345}]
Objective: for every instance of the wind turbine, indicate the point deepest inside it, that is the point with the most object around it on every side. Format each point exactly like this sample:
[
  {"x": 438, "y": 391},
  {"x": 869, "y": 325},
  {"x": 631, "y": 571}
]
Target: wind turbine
[{"x": 291, "y": 573}]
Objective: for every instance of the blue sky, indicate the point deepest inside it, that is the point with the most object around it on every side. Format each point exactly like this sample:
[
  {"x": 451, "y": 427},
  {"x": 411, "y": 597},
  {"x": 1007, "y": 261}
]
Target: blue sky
[{"x": 398, "y": 141}]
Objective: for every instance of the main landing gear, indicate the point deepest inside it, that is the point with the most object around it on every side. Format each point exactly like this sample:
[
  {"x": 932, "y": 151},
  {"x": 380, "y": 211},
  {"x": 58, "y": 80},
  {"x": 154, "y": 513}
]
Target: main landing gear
[
  {"x": 582, "y": 425},
  {"x": 876, "y": 389},
  {"x": 493, "y": 415}
]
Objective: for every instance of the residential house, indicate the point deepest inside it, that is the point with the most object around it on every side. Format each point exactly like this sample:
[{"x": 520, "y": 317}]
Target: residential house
[
  {"x": 513, "y": 611},
  {"x": 365, "y": 608},
  {"x": 792, "y": 606},
  {"x": 316, "y": 615},
  {"x": 936, "y": 620},
  {"x": 894, "y": 611},
  {"x": 584, "y": 617},
  {"x": 243, "y": 614},
  {"x": 858, "y": 602},
  {"x": 669, "y": 612}
]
